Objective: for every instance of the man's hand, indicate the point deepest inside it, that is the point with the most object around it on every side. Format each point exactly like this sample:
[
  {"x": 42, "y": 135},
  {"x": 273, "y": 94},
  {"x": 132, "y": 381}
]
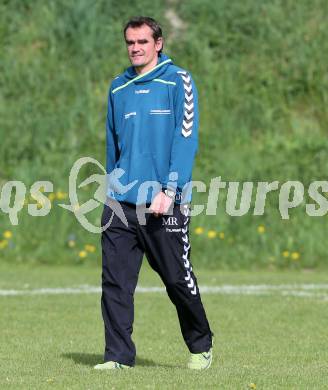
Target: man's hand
[{"x": 160, "y": 204}]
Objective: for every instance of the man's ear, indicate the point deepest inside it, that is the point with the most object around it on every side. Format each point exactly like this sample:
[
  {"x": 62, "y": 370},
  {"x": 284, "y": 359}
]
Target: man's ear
[{"x": 159, "y": 44}]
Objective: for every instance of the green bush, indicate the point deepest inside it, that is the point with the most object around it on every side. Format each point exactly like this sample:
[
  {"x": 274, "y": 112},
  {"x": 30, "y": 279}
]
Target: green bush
[{"x": 260, "y": 68}]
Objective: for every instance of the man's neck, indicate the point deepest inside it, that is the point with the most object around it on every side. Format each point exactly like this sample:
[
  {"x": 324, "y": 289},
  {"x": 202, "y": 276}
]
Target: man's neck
[{"x": 143, "y": 69}]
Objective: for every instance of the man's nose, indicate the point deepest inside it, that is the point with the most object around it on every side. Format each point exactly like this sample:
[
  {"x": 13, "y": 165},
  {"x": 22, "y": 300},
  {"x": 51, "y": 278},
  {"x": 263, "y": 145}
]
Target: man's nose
[{"x": 136, "y": 47}]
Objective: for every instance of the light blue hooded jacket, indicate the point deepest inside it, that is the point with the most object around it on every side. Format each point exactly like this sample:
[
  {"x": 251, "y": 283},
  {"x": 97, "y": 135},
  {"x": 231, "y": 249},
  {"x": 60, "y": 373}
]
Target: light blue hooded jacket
[{"x": 151, "y": 131}]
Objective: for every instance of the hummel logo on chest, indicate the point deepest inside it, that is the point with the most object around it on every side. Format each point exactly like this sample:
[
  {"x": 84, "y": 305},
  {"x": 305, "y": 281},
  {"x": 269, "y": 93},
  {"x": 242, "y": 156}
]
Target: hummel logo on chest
[{"x": 138, "y": 91}]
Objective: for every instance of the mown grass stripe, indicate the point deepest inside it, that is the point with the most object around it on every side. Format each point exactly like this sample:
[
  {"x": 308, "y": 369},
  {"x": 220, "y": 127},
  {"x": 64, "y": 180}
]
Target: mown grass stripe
[{"x": 297, "y": 290}]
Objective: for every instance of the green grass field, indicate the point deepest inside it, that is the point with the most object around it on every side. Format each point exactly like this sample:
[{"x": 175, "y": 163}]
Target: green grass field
[
  {"x": 261, "y": 71},
  {"x": 275, "y": 339}
]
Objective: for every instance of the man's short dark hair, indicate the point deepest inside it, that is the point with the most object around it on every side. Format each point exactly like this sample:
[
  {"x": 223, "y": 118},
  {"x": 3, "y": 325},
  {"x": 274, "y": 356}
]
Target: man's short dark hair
[{"x": 139, "y": 21}]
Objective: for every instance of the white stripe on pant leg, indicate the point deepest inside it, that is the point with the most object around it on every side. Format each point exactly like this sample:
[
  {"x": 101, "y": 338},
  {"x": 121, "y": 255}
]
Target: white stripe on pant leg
[{"x": 185, "y": 256}]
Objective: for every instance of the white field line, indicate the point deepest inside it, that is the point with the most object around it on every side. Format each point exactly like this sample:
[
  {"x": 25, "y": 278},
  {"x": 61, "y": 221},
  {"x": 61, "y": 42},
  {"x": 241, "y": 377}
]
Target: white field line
[{"x": 317, "y": 291}]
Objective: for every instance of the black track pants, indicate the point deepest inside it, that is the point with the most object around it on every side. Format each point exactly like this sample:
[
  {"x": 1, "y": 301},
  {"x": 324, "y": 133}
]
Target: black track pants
[{"x": 165, "y": 241}]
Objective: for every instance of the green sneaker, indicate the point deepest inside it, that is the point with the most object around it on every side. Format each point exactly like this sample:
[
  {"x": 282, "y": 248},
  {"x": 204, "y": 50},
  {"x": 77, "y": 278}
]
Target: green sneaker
[
  {"x": 111, "y": 366},
  {"x": 200, "y": 361}
]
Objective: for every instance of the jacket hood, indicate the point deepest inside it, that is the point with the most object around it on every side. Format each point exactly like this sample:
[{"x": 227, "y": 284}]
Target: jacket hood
[{"x": 162, "y": 64}]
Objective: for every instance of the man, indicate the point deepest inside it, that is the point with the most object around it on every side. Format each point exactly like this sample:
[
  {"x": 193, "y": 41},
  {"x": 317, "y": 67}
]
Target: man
[{"x": 152, "y": 125}]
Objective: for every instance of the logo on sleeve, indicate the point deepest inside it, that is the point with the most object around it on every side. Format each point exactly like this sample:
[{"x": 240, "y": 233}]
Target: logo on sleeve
[{"x": 188, "y": 118}]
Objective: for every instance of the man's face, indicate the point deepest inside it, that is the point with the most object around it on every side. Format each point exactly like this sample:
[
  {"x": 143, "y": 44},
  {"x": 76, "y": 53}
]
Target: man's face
[{"x": 142, "y": 48}]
